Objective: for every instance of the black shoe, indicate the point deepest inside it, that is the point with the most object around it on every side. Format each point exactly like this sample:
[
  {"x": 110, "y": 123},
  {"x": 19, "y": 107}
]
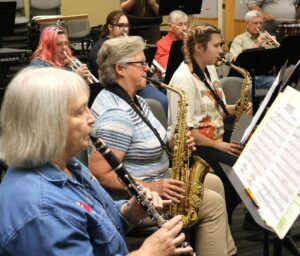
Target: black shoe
[{"x": 249, "y": 223}]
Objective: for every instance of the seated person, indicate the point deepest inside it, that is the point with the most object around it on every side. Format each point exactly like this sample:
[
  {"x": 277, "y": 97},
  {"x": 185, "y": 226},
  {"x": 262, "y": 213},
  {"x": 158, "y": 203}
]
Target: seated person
[
  {"x": 121, "y": 122},
  {"x": 252, "y": 38},
  {"x": 50, "y": 203},
  {"x": 177, "y": 26},
  {"x": 198, "y": 78},
  {"x": 53, "y": 51},
  {"x": 116, "y": 25}
]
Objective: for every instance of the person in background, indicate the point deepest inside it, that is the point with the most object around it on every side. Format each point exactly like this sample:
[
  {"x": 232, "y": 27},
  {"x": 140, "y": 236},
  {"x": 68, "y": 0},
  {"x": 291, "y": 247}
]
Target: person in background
[
  {"x": 178, "y": 22},
  {"x": 250, "y": 39},
  {"x": 116, "y": 25},
  {"x": 50, "y": 203},
  {"x": 207, "y": 107},
  {"x": 143, "y": 13},
  {"x": 276, "y": 12},
  {"x": 52, "y": 49},
  {"x": 122, "y": 123}
]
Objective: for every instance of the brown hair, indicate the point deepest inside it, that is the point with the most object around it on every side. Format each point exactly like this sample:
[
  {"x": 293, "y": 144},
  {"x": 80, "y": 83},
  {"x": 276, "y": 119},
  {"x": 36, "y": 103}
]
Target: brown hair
[{"x": 198, "y": 33}]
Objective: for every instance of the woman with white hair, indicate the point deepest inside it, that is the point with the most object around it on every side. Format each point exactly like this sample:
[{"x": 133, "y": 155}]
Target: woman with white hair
[{"x": 50, "y": 203}]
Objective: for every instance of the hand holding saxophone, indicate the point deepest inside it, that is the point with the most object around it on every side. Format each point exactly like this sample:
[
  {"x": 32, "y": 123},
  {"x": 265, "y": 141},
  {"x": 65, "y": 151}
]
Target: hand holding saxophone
[{"x": 231, "y": 148}]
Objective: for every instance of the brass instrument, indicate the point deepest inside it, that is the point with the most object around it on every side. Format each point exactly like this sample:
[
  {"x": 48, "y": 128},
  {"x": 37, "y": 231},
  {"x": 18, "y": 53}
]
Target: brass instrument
[
  {"x": 243, "y": 103},
  {"x": 193, "y": 177},
  {"x": 76, "y": 64},
  {"x": 271, "y": 41}
]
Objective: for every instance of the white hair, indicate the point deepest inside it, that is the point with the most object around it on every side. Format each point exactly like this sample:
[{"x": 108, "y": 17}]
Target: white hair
[
  {"x": 114, "y": 51},
  {"x": 252, "y": 14},
  {"x": 33, "y": 125},
  {"x": 175, "y": 15}
]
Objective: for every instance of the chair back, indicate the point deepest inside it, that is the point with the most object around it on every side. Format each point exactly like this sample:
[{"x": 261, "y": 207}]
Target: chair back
[
  {"x": 158, "y": 111},
  {"x": 231, "y": 86},
  {"x": 42, "y": 7}
]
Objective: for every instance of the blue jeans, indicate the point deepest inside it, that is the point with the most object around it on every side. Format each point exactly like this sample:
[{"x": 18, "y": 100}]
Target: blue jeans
[{"x": 264, "y": 82}]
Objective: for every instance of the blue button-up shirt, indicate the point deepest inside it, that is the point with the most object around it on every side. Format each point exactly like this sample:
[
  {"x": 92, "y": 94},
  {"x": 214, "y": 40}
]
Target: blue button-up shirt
[{"x": 43, "y": 212}]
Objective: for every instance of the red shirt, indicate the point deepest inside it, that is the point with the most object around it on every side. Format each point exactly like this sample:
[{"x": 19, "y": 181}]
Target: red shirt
[{"x": 163, "y": 49}]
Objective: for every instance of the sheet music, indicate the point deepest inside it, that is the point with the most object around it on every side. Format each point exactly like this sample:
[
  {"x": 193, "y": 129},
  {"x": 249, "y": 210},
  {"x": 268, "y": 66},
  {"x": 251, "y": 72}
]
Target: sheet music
[
  {"x": 260, "y": 110},
  {"x": 269, "y": 165}
]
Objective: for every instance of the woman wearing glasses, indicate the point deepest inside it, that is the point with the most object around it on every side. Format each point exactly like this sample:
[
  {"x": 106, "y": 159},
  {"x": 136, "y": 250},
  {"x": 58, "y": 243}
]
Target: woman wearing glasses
[
  {"x": 116, "y": 25},
  {"x": 121, "y": 121}
]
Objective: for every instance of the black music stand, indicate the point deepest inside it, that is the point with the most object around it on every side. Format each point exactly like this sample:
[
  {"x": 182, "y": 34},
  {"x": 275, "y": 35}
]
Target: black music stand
[
  {"x": 187, "y": 6},
  {"x": 175, "y": 58},
  {"x": 7, "y": 18},
  {"x": 290, "y": 48}
]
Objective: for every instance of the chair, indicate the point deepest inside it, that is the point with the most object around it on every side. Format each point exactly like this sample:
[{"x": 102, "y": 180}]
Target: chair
[
  {"x": 42, "y": 7},
  {"x": 158, "y": 111},
  {"x": 232, "y": 88}
]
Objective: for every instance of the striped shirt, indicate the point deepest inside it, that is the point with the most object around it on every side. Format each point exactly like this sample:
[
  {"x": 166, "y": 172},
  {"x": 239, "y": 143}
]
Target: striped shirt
[{"x": 121, "y": 128}]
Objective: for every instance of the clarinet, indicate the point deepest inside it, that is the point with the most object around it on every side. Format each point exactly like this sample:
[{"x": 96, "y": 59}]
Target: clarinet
[{"x": 132, "y": 187}]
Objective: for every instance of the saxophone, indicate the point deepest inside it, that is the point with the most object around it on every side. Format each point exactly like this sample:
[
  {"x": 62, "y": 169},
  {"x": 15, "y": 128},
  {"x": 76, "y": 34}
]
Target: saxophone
[
  {"x": 193, "y": 177},
  {"x": 132, "y": 187},
  {"x": 242, "y": 106}
]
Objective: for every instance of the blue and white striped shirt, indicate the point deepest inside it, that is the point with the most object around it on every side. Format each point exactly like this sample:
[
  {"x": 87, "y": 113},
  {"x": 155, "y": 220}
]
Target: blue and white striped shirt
[{"x": 121, "y": 128}]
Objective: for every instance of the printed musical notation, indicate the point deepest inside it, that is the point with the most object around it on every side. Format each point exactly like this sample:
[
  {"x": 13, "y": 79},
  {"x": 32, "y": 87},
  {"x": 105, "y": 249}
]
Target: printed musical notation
[{"x": 269, "y": 166}]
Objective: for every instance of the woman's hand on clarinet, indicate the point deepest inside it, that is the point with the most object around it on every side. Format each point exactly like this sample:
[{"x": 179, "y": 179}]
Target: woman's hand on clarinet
[
  {"x": 165, "y": 241},
  {"x": 134, "y": 213}
]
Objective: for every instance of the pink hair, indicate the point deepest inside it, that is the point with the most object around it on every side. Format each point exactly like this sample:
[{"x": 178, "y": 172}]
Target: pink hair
[{"x": 46, "y": 48}]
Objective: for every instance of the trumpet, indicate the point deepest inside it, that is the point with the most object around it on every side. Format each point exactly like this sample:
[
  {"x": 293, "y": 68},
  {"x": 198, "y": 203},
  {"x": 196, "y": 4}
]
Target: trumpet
[
  {"x": 76, "y": 64},
  {"x": 271, "y": 41}
]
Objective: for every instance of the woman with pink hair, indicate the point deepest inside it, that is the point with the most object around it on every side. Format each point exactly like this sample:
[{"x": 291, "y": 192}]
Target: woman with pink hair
[{"x": 52, "y": 49}]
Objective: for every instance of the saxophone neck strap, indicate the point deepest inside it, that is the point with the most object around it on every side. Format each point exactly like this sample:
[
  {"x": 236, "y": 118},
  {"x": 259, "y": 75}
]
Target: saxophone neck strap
[
  {"x": 119, "y": 91},
  {"x": 200, "y": 74}
]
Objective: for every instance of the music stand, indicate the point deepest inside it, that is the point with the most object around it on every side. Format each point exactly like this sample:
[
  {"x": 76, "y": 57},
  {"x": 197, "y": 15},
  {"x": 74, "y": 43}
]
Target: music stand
[
  {"x": 175, "y": 58},
  {"x": 290, "y": 48},
  {"x": 7, "y": 18},
  {"x": 149, "y": 54},
  {"x": 187, "y": 6}
]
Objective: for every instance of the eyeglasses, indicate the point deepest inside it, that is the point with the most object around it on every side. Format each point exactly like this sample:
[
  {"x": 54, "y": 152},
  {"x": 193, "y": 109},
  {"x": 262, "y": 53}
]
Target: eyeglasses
[
  {"x": 143, "y": 63},
  {"x": 181, "y": 24},
  {"x": 121, "y": 25}
]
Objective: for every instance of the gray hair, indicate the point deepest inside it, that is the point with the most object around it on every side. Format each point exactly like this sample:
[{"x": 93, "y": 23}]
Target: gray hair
[
  {"x": 252, "y": 14},
  {"x": 33, "y": 115},
  {"x": 114, "y": 51},
  {"x": 176, "y": 14}
]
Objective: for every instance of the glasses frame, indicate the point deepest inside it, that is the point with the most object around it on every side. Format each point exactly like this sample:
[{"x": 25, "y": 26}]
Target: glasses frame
[
  {"x": 143, "y": 63},
  {"x": 121, "y": 25}
]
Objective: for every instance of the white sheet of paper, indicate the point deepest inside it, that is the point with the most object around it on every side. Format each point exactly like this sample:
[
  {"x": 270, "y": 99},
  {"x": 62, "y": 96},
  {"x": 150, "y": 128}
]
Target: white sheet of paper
[{"x": 269, "y": 165}]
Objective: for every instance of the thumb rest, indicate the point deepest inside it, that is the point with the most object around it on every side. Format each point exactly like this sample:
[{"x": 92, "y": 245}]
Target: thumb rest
[
  {"x": 192, "y": 176},
  {"x": 243, "y": 103},
  {"x": 131, "y": 186}
]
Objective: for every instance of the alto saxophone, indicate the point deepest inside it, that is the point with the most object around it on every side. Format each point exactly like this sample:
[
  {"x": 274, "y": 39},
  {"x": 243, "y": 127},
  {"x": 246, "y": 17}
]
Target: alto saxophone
[
  {"x": 244, "y": 97},
  {"x": 193, "y": 177}
]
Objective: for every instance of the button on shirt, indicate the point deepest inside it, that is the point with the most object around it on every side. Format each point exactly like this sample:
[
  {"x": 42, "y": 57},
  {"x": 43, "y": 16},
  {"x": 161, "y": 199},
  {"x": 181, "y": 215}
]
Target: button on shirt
[{"x": 43, "y": 212}]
